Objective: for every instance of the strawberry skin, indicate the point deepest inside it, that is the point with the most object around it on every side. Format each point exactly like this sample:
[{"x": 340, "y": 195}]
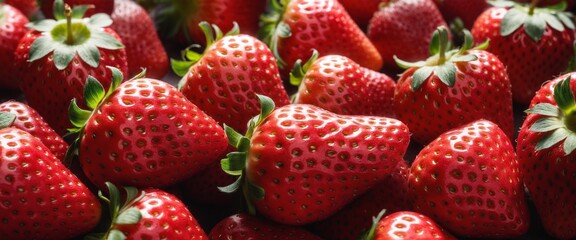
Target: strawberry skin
[
  {"x": 361, "y": 10},
  {"x": 27, "y": 7},
  {"x": 467, "y": 11},
  {"x": 469, "y": 181},
  {"x": 409, "y": 225},
  {"x": 41, "y": 198},
  {"x": 12, "y": 29},
  {"x": 244, "y": 226}
]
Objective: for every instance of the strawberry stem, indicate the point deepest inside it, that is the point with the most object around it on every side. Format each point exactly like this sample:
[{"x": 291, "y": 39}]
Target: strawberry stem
[
  {"x": 533, "y": 5},
  {"x": 68, "y": 14}
]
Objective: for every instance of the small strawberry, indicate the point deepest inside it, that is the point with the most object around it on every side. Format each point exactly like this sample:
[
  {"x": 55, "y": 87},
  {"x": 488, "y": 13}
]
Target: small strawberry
[
  {"x": 535, "y": 44},
  {"x": 299, "y": 163},
  {"x": 545, "y": 148},
  {"x": 56, "y": 56},
  {"x": 451, "y": 88},
  {"x": 244, "y": 226},
  {"x": 338, "y": 84},
  {"x": 12, "y": 29},
  {"x": 97, "y": 6},
  {"x": 469, "y": 181},
  {"x": 223, "y": 80},
  {"x": 405, "y": 225},
  {"x": 28, "y": 7},
  {"x": 27, "y": 119},
  {"x": 142, "y": 133},
  {"x": 138, "y": 33},
  {"x": 40, "y": 198},
  {"x": 292, "y": 28}
]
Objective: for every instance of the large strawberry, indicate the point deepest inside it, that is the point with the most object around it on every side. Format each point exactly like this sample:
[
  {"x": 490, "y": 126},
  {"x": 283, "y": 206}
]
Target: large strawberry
[
  {"x": 12, "y": 29},
  {"x": 292, "y": 28},
  {"x": 142, "y": 133},
  {"x": 40, "y": 198},
  {"x": 338, "y": 84},
  {"x": 535, "y": 44},
  {"x": 299, "y": 163},
  {"x": 405, "y": 225},
  {"x": 97, "y": 6},
  {"x": 469, "y": 181},
  {"x": 244, "y": 226},
  {"x": 56, "y": 56},
  {"x": 138, "y": 33},
  {"x": 545, "y": 148},
  {"x": 451, "y": 88},
  {"x": 223, "y": 80},
  {"x": 27, "y": 119}
]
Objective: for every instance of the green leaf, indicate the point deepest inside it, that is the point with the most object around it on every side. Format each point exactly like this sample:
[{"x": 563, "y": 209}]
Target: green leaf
[
  {"x": 208, "y": 33},
  {"x": 59, "y": 10},
  {"x": 546, "y": 124},
  {"x": 513, "y": 19},
  {"x": 244, "y": 144},
  {"x": 464, "y": 58},
  {"x": 256, "y": 192},
  {"x": 192, "y": 55},
  {"x": 129, "y": 216},
  {"x": 566, "y": 18},
  {"x": 559, "y": 7},
  {"x": 553, "y": 21},
  {"x": 435, "y": 43},
  {"x": 447, "y": 73},
  {"x": 100, "y": 20},
  {"x": 570, "y": 143},
  {"x": 234, "y": 186},
  {"x": 420, "y": 76},
  {"x": 550, "y": 140},
  {"x": 483, "y": 46},
  {"x": 89, "y": 54},
  {"x": 266, "y": 107},
  {"x": 132, "y": 194},
  {"x": 43, "y": 25},
  {"x": 114, "y": 199},
  {"x": 6, "y": 119},
  {"x": 93, "y": 92},
  {"x": 78, "y": 11},
  {"x": 545, "y": 109},
  {"x": 78, "y": 116},
  {"x": 563, "y": 95},
  {"x": 180, "y": 68},
  {"x": 371, "y": 233},
  {"x": 116, "y": 235},
  {"x": 233, "y": 136},
  {"x": 63, "y": 55},
  {"x": 500, "y": 3},
  {"x": 40, "y": 48},
  {"x": 235, "y": 30},
  {"x": 71, "y": 152},
  {"x": 468, "y": 41},
  {"x": 234, "y": 163},
  {"x": 535, "y": 26},
  {"x": 104, "y": 40},
  {"x": 283, "y": 30},
  {"x": 405, "y": 64},
  {"x": 117, "y": 78}
]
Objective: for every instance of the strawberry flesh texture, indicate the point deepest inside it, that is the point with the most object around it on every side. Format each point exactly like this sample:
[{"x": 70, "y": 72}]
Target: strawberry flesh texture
[
  {"x": 12, "y": 29},
  {"x": 409, "y": 225},
  {"x": 244, "y": 226}
]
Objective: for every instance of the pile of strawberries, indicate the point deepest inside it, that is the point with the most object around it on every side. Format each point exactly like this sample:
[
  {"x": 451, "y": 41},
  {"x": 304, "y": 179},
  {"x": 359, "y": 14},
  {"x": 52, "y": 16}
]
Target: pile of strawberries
[{"x": 292, "y": 119}]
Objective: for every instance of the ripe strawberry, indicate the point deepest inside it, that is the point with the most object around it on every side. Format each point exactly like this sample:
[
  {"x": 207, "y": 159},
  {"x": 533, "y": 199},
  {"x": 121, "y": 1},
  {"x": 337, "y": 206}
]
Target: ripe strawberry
[
  {"x": 534, "y": 43},
  {"x": 469, "y": 181},
  {"x": 406, "y": 225},
  {"x": 546, "y": 153},
  {"x": 12, "y": 29},
  {"x": 40, "y": 198},
  {"x": 404, "y": 28},
  {"x": 292, "y": 28},
  {"x": 452, "y": 88},
  {"x": 98, "y": 6},
  {"x": 341, "y": 86},
  {"x": 300, "y": 163},
  {"x": 354, "y": 219},
  {"x": 224, "y": 79},
  {"x": 53, "y": 67},
  {"x": 142, "y": 133},
  {"x": 27, "y": 119},
  {"x": 361, "y": 10},
  {"x": 244, "y": 226},
  {"x": 467, "y": 11},
  {"x": 138, "y": 33},
  {"x": 28, "y": 7},
  {"x": 149, "y": 214}
]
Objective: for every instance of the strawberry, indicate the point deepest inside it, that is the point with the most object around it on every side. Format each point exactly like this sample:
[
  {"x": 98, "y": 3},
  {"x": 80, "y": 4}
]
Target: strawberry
[
  {"x": 12, "y": 29},
  {"x": 349, "y": 223},
  {"x": 361, "y": 10},
  {"x": 28, "y": 7},
  {"x": 452, "y": 88},
  {"x": 406, "y": 225},
  {"x": 404, "y": 28},
  {"x": 299, "y": 163},
  {"x": 148, "y": 214},
  {"x": 469, "y": 181},
  {"x": 138, "y": 33},
  {"x": 40, "y": 198},
  {"x": 27, "y": 119},
  {"x": 292, "y": 28},
  {"x": 534, "y": 43},
  {"x": 142, "y": 133},
  {"x": 97, "y": 6},
  {"x": 179, "y": 19},
  {"x": 546, "y": 153},
  {"x": 53, "y": 67},
  {"x": 223, "y": 80},
  {"x": 338, "y": 84},
  {"x": 466, "y": 11},
  {"x": 244, "y": 226}
]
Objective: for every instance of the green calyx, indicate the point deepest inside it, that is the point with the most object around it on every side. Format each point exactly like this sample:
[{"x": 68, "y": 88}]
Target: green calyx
[
  {"x": 559, "y": 121},
  {"x": 534, "y": 19},
  {"x": 70, "y": 34},
  {"x": 190, "y": 57},
  {"x": 299, "y": 71},
  {"x": 6, "y": 119},
  {"x": 273, "y": 28},
  {"x": 371, "y": 233},
  {"x": 443, "y": 59},
  {"x": 172, "y": 16},
  {"x": 235, "y": 162}
]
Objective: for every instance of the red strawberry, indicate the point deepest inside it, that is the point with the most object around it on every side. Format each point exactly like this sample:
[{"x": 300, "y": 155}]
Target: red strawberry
[
  {"x": 138, "y": 33},
  {"x": 292, "y": 28},
  {"x": 469, "y": 181},
  {"x": 301, "y": 164},
  {"x": 28, "y": 7},
  {"x": 98, "y": 6},
  {"x": 452, "y": 88},
  {"x": 12, "y": 29},
  {"x": 53, "y": 67},
  {"x": 40, "y": 198},
  {"x": 406, "y": 225},
  {"x": 244, "y": 226},
  {"x": 224, "y": 79},
  {"x": 535, "y": 44},
  {"x": 546, "y": 153},
  {"x": 27, "y": 119},
  {"x": 143, "y": 133},
  {"x": 361, "y": 10},
  {"x": 341, "y": 86},
  {"x": 149, "y": 214},
  {"x": 404, "y": 28},
  {"x": 467, "y": 11},
  {"x": 354, "y": 219}
]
